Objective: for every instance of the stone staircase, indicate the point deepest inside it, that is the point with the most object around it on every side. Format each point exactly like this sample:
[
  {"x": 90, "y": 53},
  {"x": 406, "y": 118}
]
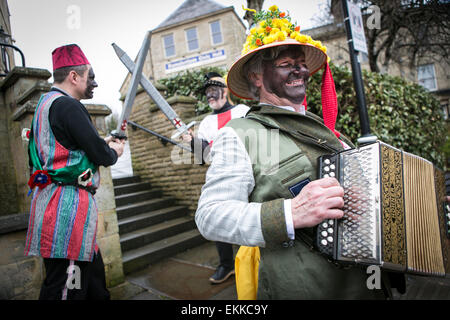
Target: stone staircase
[{"x": 151, "y": 226}]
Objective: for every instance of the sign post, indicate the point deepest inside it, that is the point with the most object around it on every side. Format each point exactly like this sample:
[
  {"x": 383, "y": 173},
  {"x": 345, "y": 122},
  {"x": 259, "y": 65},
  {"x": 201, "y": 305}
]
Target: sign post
[{"x": 357, "y": 43}]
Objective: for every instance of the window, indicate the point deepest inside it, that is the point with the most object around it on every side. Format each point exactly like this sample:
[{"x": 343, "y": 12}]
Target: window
[
  {"x": 427, "y": 77},
  {"x": 216, "y": 32},
  {"x": 192, "y": 40},
  {"x": 445, "y": 110},
  {"x": 169, "y": 45}
]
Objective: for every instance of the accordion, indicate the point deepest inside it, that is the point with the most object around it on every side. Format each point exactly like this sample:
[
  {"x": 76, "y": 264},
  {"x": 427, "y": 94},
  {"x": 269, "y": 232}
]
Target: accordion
[{"x": 395, "y": 213}]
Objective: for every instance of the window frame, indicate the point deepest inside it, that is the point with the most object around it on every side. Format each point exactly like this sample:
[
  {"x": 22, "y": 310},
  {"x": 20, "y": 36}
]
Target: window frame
[
  {"x": 434, "y": 78},
  {"x": 173, "y": 45},
  {"x": 212, "y": 34},
  {"x": 196, "y": 39}
]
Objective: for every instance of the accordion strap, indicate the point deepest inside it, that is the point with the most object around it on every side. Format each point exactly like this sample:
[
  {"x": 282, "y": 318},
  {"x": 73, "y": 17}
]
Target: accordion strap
[
  {"x": 305, "y": 238},
  {"x": 300, "y": 136}
]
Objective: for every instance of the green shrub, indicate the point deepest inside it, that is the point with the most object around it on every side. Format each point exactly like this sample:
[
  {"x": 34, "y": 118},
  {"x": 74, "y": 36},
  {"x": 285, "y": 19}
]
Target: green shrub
[
  {"x": 401, "y": 113},
  {"x": 190, "y": 83}
]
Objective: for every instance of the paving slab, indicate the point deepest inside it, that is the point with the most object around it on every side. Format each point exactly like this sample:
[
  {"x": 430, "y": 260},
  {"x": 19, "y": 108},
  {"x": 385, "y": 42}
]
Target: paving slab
[{"x": 184, "y": 277}]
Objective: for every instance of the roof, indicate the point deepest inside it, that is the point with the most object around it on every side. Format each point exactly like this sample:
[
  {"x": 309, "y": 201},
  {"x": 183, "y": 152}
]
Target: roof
[{"x": 189, "y": 10}]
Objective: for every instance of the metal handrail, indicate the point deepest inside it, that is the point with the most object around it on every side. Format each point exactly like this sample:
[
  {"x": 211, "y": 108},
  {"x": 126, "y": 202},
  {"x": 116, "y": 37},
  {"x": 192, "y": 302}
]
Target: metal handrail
[{"x": 15, "y": 48}]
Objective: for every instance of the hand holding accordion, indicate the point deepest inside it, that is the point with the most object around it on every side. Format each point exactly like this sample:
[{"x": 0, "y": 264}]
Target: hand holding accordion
[
  {"x": 395, "y": 211},
  {"x": 320, "y": 199}
]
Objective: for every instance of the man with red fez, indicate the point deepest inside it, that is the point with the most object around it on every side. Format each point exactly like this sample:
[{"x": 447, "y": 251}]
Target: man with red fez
[
  {"x": 261, "y": 189},
  {"x": 65, "y": 152}
]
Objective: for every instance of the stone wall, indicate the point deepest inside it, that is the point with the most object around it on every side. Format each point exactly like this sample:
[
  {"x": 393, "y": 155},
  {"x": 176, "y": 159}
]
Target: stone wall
[{"x": 167, "y": 167}]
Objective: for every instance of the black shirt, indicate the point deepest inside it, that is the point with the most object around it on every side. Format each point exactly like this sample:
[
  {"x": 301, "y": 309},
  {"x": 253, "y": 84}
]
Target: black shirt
[{"x": 73, "y": 128}]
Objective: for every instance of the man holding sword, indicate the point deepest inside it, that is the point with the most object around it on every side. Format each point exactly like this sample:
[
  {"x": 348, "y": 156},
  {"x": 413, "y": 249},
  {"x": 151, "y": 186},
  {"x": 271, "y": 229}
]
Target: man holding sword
[{"x": 65, "y": 152}]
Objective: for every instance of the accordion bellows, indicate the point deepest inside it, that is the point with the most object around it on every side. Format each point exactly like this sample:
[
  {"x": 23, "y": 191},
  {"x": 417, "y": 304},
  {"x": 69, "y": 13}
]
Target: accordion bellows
[{"x": 395, "y": 214}]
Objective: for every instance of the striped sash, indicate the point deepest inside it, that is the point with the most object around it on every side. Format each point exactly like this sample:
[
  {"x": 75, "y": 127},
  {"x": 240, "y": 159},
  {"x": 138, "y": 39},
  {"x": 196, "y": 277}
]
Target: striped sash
[{"x": 63, "y": 219}]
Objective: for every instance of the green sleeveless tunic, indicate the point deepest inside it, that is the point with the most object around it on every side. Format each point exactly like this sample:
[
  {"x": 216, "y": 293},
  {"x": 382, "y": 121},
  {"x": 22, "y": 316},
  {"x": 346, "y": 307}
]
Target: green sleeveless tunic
[{"x": 291, "y": 144}]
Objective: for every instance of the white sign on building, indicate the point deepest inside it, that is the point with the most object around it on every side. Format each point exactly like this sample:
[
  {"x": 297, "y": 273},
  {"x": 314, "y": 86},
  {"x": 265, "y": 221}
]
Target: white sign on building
[
  {"x": 195, "y": 61},
  {"x": 357, "y": 27}
]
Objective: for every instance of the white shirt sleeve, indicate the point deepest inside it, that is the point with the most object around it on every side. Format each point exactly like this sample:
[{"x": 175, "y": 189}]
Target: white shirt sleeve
[
  {"x": 288, "y": 217},
  {"x": 224, "y": 212}
]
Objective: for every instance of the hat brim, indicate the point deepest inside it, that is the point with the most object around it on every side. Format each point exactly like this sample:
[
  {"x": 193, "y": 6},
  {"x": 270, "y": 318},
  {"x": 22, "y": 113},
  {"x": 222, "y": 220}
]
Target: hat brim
[
  {"x": 237, "y": 81},
  {"x": 216, "y": 83}
]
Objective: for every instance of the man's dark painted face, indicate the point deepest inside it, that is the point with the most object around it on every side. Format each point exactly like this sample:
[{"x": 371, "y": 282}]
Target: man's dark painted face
[
  {"x": 90, "y": 84},
  {"x": 287, "y": 76},
  {"x": 215, "y": 96}
]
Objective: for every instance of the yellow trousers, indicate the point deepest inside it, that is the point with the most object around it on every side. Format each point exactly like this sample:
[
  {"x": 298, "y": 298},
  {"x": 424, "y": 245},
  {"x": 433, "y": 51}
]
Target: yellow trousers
[{"x": 246, "y": 272}]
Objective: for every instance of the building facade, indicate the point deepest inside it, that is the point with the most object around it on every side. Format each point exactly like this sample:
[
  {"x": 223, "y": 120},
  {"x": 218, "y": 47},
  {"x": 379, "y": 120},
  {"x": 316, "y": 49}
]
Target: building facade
[{"x": 199, "y": 33}]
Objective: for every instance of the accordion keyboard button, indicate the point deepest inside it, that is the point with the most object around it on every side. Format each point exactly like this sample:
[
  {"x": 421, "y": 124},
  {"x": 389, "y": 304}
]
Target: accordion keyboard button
[
  {"x": 330, "y": 230},
  {"x": 330, "y": 222},
  {"x": 332, "y": 174},
  {"x": 325, "y": 225},
  {"x": 327, "y": 161},
  {"x": 324, "y": 234},
  {"x": 332, "y": 167},
  {"x": 324, "y": 242},
  {"x": 326, "y": 175},
  {"x": 326, "y": 169},
  {"x": 330, "y": 239}
]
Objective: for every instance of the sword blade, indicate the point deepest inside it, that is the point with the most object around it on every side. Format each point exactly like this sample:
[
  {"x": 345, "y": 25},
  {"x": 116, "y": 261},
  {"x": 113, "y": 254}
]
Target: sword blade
[
  {"x": 134, "y": 124},
  {"x": 153, "y": 93},
  {"x": 136, "y": 76}
]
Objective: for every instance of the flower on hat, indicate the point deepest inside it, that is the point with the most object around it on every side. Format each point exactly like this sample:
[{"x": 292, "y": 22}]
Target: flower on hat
[{"x": 272, "y": 26}]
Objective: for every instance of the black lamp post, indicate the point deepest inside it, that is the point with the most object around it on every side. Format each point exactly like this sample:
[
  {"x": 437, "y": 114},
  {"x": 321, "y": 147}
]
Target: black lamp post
[{"x": 366, "y": 135}]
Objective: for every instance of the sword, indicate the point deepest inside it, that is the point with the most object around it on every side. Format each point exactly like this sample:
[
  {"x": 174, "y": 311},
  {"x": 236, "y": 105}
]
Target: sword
[
  {"x": 131, "y": 94},
  {"x": 160, "y": 102},
  {"x": 163, "y": 139}
]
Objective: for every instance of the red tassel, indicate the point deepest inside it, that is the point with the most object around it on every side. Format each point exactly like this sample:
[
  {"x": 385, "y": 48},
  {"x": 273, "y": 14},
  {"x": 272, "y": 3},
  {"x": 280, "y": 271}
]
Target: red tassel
[
  {"x": 305, "y": 104},
  {"x": 329, "y": 100}
]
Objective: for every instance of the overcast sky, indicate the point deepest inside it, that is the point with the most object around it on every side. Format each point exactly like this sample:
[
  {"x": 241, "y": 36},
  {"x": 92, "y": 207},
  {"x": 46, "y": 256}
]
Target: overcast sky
[{"x": 39, "y": 26}]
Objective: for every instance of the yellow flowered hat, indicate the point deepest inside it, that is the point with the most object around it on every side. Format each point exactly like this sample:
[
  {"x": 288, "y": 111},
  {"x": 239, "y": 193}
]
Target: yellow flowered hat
[{"x": 273, "y": 28}]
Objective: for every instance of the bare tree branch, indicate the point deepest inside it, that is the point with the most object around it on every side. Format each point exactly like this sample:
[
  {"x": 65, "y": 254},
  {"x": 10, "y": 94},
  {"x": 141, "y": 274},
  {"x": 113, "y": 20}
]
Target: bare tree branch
[{"x": 252, "y": 4}]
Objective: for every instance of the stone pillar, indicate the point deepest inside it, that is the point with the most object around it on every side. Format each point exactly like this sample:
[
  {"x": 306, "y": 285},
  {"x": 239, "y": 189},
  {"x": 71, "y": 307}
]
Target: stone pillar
[
  {"x": 21, "y": 90},
  {"x": 107, "y": 226},
  {"x": 20, "y": 276}
]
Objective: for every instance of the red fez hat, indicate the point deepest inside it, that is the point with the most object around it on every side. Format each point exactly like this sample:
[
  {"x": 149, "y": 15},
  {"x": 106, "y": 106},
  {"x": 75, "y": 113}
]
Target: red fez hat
[{"x": 68, "y": 56}]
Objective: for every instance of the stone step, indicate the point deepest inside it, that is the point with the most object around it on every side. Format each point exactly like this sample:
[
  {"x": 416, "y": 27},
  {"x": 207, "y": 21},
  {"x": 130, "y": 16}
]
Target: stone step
[
  {"x": 144, "y": 236},
  {"x": 126, "y": 180},
  {"x": 139, "y": 196},
  {"x": 131, "y": 188},
  {"x": 143, "y": 206},
  {"x": 147, "y": 219},
  {"x": 137, "y": 259}
]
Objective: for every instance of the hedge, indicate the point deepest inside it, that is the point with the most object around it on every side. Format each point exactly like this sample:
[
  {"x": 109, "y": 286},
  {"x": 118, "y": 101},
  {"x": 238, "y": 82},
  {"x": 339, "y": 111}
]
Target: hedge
[{"x": 401, "y": 113}]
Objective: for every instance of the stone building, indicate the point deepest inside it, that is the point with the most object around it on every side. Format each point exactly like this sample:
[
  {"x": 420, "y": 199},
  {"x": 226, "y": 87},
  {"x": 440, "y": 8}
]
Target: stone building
[
  {"x": 199, "y": 33},
  {"x": 20, "y": 89}
]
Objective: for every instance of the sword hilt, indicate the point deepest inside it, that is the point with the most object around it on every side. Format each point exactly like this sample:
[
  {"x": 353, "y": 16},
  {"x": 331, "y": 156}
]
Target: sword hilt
[
  {"x": 116, "y": 134},
  {"x": 179, "y": 133}
]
